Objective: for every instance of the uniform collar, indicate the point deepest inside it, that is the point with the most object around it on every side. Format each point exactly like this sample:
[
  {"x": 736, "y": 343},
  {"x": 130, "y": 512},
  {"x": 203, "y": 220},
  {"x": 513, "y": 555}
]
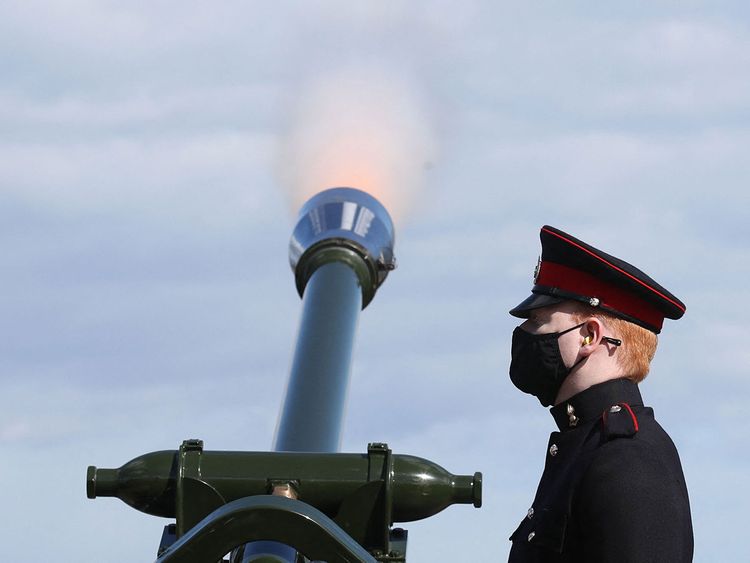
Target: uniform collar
[{"x": 592, "y": 402}]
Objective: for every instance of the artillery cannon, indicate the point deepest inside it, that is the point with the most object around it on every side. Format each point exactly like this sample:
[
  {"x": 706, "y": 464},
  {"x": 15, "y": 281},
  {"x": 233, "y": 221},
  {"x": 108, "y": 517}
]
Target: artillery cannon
[{"x": 304, "y": 501}]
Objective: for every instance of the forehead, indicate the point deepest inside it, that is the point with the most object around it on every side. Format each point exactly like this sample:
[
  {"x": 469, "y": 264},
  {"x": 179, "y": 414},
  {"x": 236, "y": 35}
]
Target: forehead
[{"x": 565, "y": 308}]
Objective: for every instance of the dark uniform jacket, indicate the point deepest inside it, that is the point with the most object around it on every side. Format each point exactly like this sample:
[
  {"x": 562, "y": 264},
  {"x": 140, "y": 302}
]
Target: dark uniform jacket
[{"x": 612, "y": 487}]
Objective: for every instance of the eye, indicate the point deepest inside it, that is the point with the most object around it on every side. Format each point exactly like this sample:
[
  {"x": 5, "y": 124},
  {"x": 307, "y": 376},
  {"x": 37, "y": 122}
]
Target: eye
[
  {"x": 536, "y": 318},
  {"x": 532, "y": 322}
]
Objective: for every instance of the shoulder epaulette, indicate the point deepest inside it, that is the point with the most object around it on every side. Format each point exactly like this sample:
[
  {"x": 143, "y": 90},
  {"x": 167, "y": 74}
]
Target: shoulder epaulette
[{"x": 619, "y": 421}]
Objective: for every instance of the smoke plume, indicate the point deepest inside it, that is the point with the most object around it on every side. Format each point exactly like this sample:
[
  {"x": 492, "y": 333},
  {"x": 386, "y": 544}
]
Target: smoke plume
[{"x": 365, "y": 128}]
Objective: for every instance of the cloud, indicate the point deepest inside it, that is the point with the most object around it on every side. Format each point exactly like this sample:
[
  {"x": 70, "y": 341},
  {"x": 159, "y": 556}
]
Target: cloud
[
  {"x": 15, "y": 431},
  {"x": 202, "y": 175},
  {"x": 154, "y": 113}
]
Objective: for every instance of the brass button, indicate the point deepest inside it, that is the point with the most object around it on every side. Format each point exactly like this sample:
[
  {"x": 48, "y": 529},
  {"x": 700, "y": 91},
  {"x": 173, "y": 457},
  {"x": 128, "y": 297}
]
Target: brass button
[
  {"x": 531, "y": 536},
  {"x": 530, "y": 513},
  {"x": 615, "y": 408},
  {"x": 553, "y": 449},
  {"x": 572, "y": 418}
]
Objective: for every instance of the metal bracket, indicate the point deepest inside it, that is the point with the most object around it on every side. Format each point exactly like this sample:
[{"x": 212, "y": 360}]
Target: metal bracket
[
  {"x": 195, "y": 498},
  {"x": 367, "y": 514},
  {"x": 266, "y": 517}
]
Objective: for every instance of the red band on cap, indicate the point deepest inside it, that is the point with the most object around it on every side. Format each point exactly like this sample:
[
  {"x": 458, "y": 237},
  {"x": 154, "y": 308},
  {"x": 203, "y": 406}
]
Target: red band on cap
[
  {"x": 610, "y": 296},
  {"x": 680, "y": 306}
]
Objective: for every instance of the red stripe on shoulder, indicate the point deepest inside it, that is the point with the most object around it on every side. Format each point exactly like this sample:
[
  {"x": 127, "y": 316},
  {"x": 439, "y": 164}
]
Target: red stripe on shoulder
[{"x": 632, "y": 415}]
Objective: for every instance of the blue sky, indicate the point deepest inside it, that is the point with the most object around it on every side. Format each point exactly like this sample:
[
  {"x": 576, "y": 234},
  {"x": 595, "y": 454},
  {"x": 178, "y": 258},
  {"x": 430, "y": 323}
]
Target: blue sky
[{"x": 146, "y": 295}]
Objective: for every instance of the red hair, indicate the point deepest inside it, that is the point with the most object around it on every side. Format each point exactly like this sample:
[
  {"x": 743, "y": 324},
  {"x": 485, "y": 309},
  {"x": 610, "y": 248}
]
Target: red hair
[{"x": 638, "y": 344}]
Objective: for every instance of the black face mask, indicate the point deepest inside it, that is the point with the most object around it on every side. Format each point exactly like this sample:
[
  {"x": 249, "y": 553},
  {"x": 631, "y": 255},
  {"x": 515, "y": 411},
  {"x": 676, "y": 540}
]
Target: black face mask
[{"x": 536, "y": 365}]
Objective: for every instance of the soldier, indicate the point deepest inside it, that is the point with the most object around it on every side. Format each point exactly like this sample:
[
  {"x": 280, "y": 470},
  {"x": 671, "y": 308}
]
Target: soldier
[{"x": 612, "y": 487}]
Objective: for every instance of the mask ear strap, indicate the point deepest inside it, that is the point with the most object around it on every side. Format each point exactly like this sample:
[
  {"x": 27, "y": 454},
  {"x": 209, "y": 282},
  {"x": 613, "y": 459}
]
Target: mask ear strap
[
  {"x": 575, "y": 365},
  {"x": 567, "y": 330}
]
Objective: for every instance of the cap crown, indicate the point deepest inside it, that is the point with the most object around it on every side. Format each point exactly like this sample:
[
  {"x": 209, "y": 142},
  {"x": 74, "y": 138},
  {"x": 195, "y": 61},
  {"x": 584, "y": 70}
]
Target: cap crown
[{"x": 572, "y": 269}]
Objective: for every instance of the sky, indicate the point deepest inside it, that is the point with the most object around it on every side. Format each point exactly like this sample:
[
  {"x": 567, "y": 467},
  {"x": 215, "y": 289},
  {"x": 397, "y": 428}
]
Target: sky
[{"x": 145, "y": 213}]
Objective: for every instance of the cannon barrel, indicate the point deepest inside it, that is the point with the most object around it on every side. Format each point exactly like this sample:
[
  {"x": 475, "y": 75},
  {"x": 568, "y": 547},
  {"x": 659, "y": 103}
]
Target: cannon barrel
[{"x": 341, "y": 251}]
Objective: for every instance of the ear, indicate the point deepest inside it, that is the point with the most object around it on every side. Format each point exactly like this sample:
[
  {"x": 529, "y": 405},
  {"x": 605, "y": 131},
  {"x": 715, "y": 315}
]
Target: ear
[{"x": 592, "y": 330}]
